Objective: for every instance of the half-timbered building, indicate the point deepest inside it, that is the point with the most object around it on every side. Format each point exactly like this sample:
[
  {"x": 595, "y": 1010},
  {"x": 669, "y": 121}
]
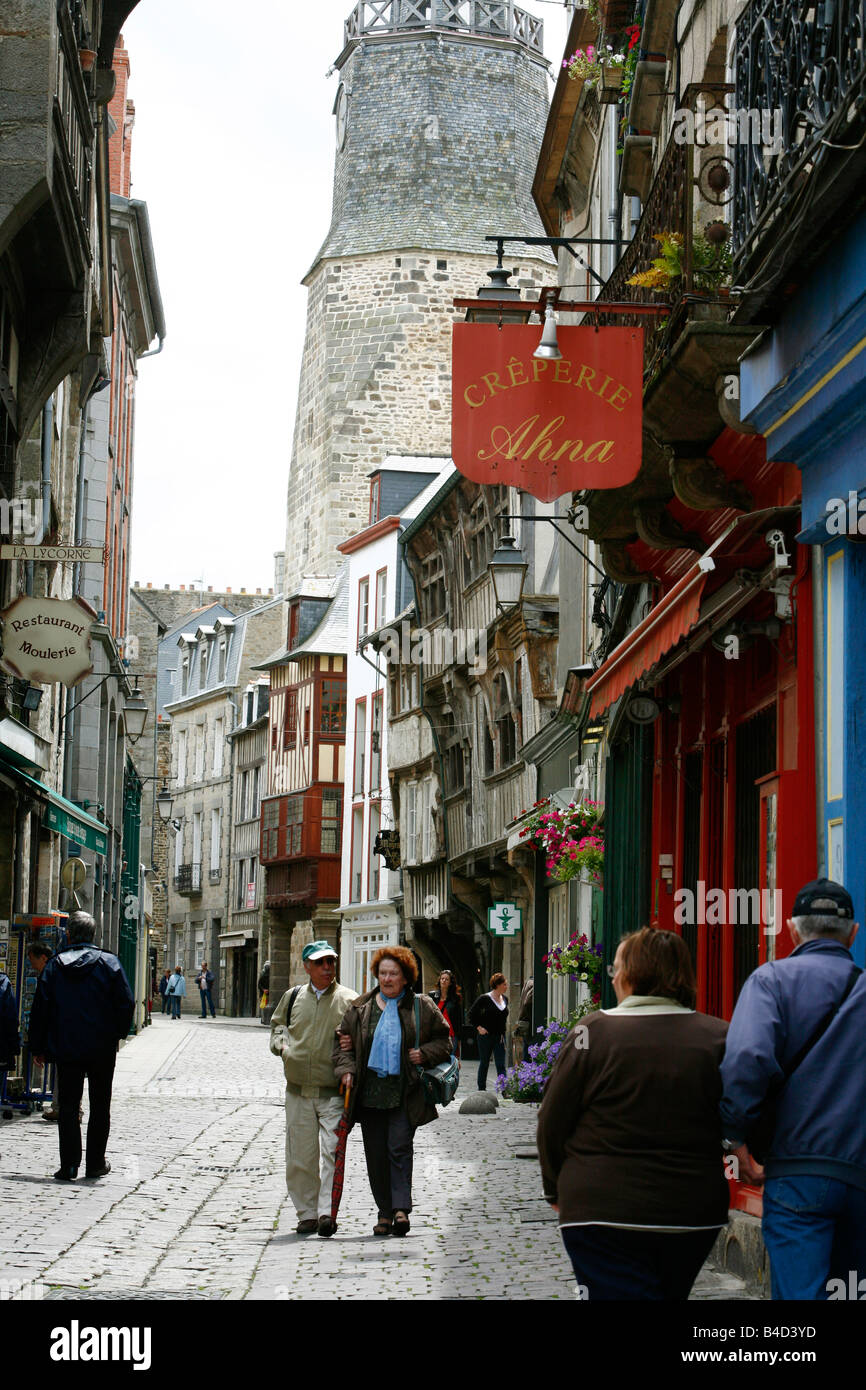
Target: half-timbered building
[{"x": 301, "y": 821}]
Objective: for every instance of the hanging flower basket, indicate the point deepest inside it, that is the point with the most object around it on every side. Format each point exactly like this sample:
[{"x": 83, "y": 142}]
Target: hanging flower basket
[
  {"x": 610, "y": 89},
  {"x": 572, "y": 839}
]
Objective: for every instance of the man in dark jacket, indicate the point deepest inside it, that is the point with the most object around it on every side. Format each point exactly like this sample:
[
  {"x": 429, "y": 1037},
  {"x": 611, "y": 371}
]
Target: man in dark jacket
[
  {"x": 82, "y": 1008},
  {"x": 204, "y": 979},
  {"x": 814, "y": 1221},
  {"x": 10, "y": 1043}
]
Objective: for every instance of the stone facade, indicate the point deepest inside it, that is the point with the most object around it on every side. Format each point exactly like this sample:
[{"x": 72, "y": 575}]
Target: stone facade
[{"x": 201, "y": 780}]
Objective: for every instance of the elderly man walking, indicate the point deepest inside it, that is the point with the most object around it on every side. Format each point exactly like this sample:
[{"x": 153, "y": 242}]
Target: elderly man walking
[
  {"x": 82, "y": 1008},
  {"x": 797, "y": 1043},
  {"x": 303, "y": 1028}
]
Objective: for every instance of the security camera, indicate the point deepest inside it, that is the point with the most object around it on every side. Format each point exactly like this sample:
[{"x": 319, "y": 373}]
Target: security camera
[{"x": 776, "y": 541}]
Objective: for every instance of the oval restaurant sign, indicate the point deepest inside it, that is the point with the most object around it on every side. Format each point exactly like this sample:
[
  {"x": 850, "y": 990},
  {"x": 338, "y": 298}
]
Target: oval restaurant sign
[
  {"x": 549, "y": 427},
  {"x": 47, "y": 640}
]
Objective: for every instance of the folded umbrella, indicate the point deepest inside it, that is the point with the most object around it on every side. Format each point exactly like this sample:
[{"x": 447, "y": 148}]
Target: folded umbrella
[{"x": 340, "y": 1153}]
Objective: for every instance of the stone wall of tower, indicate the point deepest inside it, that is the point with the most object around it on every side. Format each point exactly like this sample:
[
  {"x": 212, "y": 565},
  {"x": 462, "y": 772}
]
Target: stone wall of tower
[{"x": 375, "y": 380}]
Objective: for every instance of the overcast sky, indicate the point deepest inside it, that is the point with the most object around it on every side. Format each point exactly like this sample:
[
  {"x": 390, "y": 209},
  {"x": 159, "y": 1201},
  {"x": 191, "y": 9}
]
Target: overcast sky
[{"x": 233, "y": 153}]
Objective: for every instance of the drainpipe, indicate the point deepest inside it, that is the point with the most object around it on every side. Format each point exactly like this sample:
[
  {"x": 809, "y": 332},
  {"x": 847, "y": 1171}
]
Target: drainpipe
[
  {"x": 45, "y": 452},
  {"x": 614, "y": 207}
]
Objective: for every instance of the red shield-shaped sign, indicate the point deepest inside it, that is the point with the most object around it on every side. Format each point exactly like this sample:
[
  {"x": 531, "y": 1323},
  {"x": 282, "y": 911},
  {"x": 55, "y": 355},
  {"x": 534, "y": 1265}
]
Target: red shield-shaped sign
[{"x": 548, "y": 427}]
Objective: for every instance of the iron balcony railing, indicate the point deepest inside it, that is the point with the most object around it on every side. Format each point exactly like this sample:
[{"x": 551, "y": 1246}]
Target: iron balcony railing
[
  {"x": 668, "y": 208},
  {"x": 188, "y": 879},
  {"x": 802, "y": 69},
  {"x": 498, "y": 19}
]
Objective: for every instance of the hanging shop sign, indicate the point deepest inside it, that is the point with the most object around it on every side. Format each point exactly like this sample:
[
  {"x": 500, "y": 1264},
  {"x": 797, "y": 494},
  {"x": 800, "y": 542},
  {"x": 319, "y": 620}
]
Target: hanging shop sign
[
  {"x": 550, "y": 427},
  {"x": 47, "y": 640},
  {"x": 50, "y": 554},
  {"x": 504, "y": 919}
]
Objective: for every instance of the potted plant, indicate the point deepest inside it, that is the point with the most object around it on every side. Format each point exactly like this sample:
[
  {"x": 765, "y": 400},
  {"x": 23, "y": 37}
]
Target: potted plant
[
  {"x": 611, "y": 65},
  {"x": 579, "y": 961},
  {"x": 711, "y": 260},
  {"x": 526, "y": 1081}
]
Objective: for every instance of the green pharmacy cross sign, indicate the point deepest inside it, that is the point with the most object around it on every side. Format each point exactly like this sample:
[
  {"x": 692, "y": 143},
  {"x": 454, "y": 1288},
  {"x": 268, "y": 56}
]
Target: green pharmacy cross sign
[{"x": 504, "y": 919}]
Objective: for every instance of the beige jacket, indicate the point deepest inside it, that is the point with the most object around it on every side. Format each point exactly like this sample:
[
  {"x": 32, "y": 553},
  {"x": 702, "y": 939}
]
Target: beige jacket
[{"x": 306, "y": 1046}]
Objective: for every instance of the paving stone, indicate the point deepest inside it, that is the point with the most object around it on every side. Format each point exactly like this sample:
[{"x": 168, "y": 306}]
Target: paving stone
[{"x": 195, "y": 1206}]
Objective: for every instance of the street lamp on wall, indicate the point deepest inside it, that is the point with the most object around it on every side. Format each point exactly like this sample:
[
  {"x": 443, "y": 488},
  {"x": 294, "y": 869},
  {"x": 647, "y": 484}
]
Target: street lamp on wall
[
  {"x": 164, "y": 802},
  {"x": 135, "y": 714},
  {"x": 508, "y": 573}
]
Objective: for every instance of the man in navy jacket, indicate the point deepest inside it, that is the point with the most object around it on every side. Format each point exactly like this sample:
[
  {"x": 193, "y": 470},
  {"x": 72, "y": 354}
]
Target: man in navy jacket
[
  {"x": 814, "y": 1221},
  {"x": 83, "y": 1006}
]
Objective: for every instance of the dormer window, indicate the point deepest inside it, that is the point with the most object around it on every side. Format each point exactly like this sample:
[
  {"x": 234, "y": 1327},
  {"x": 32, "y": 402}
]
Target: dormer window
[
  {"x": 294, "y": 624},
  {"x": 184, "y": 674},
  {"x": 374, "y": 499},
  {"x": 221, "y": 659},
  {"x": 205, "y": 648}
]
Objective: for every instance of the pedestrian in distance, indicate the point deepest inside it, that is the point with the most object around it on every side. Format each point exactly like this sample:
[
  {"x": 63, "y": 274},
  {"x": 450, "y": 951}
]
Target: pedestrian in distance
[
  {"x": 303, "y": 1028},
  {"x": 10, "y": 1041},
  {"x": 38, "y": 956},
  {"x": 163, "y": 991},
  {"x": 628, "y": 1131},
  {"x": 387, "y": 1037},
  {"x": 488, "y": 1017},
  {"x": 794, "y": 1076},
  {"x": 176, "y": 991},
  {"x": 82, "y": 1008},
  {"x": 204, "y": 979},
  {"x": 449, "y": 1001}
]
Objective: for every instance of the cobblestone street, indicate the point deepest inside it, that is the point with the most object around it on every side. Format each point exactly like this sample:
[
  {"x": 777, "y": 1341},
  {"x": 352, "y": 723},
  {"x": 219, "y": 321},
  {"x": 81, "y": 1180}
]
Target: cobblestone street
[{"x": 196, "y": 1207}]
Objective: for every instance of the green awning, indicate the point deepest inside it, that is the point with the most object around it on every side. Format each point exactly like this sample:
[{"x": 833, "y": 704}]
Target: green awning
[{"x": 64, "y": 816}]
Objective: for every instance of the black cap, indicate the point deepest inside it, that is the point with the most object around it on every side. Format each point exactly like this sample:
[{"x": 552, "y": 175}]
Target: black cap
[{"x": 823, "y": 897}]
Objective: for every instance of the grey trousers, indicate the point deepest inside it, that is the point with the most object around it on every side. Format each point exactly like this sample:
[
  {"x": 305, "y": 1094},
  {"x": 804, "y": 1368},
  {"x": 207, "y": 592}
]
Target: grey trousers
[{"x": 388, "y": 1138}]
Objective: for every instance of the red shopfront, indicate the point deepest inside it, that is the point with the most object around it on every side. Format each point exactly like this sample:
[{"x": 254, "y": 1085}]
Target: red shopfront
[{"x": 733, "y": 779}]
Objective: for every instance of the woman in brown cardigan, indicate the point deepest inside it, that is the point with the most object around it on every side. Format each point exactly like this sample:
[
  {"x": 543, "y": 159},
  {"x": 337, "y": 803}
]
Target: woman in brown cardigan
[
  {"x": 377, "y": 1050},
  {"x": 629, "y": 1134}
]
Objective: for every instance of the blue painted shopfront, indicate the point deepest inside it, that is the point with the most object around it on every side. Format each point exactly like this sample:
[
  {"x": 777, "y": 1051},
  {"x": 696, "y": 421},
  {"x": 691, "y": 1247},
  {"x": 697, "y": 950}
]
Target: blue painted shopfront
[{"x": 804, "y": 387}]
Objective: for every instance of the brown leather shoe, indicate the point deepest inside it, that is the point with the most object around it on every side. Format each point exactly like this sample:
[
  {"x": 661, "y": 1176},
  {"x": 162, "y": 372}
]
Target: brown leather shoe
[
  {"x": 326, "y": 1227},
  {"x": 307, "y": 1228}
]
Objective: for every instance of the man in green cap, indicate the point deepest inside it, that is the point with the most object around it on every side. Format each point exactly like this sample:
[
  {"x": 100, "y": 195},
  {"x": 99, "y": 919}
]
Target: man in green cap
[{"x": 303, "y": 1026}]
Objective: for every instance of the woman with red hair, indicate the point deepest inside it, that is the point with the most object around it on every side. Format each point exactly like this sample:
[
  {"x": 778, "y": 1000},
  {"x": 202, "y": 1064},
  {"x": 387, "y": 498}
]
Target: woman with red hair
[{"x": 386, "y": 1039}]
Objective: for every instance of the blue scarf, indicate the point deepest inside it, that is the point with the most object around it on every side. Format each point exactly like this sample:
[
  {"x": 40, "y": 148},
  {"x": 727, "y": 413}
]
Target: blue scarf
[{"x": 386, "y": 1052}]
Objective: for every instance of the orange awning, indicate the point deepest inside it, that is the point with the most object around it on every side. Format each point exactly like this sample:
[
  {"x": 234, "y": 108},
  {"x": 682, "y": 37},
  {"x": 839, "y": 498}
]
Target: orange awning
[{"x": 670, "y": 620}]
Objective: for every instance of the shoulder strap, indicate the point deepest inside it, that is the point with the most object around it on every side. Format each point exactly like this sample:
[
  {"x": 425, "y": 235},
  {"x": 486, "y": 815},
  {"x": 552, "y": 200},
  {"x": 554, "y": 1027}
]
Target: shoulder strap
[
  {"x": 822, "y": 1026},
  {"x": 292, "y": 997},
  {"x": 417, "y": 1021}
]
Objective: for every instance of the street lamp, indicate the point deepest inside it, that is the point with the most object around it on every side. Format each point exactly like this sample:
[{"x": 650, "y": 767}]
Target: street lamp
[
  {"x": 164, "y": 802},
  {"x": 135, "y": 714},
  {"x": 549, "y": 346},
  {"x": 508, "y": 573}
]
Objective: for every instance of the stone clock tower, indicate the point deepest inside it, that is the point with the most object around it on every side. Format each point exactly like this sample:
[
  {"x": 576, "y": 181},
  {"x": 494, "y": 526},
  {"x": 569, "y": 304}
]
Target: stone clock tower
[{"x": 439, "y": 116}]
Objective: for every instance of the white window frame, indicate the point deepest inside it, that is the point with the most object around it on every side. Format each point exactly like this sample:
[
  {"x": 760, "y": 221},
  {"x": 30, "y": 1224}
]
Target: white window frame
[
  {"x": 218, "y": 746},
  {"x": 426, "y": 828},
  {"x": 181, "y": 756},
  {"x": 198, "y": 774},
  {"x": 215, "y": 838},
  {"x": 411, "y": 822}
]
